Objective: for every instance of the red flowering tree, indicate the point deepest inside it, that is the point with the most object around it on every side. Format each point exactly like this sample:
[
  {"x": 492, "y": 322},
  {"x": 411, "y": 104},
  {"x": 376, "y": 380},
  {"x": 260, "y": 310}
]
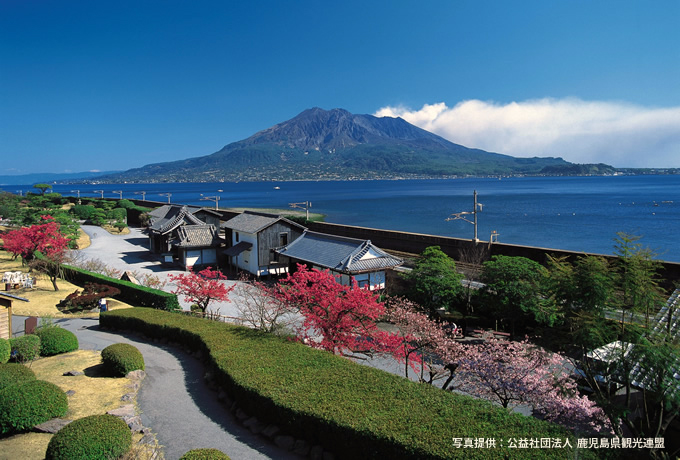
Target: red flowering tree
[
  {"x": 426, "y": 347},
  {"x": 337, "y": 318},
  {"x": 519, "y": 373},
  {"x": 46, "y": 238},
  {"x": 202, "y": 288}
]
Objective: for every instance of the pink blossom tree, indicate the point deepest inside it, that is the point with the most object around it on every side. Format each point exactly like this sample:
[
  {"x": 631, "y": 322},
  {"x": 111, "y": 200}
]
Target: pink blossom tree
[
  {"x": 426, "y": 347},
  {"x": 202, "y": 288},
  {"x": 519, "y": 373},
  {"x": 336, "y": 318}
]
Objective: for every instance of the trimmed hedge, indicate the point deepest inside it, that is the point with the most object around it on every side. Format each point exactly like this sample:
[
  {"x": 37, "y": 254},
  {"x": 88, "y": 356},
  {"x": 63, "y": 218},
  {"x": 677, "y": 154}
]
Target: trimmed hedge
[
  {"x": 5, "y": 350},
  {"x": 121, "y": 358},
  {"x": 131, "y": 293},
  {"x": 25, "y": 348},
  {"x": 55, "y": 340},
  {"x": 358, "y": 411},
  {"x": 204, "y": 454},
  {"x": 91, "y": 438},
  {"x": 29, "y": 404},
  {"x": 14, "y": 374}
]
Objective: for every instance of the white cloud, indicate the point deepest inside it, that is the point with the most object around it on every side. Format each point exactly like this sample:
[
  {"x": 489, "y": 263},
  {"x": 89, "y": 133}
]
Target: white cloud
[{"x": 620, "y": 134}]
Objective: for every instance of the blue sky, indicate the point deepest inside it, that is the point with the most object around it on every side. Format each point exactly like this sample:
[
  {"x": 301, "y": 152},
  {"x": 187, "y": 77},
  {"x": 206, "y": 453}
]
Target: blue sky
[{"x": 115, "y": 85}]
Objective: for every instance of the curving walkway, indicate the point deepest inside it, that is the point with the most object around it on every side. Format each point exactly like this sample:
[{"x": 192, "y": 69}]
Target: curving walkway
[{"x": 174, "y": 400}]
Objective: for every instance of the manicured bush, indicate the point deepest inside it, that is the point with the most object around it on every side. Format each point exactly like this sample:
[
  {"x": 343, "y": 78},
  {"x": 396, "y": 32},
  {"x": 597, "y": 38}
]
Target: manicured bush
[
  {"x": 29, "y": 404},
  {"x": 91, "y": 438},
  {"x": 55, "y": 340},
  {"x": 87, "y": 299},
  {"x": 25, "y": 348},
  {"x": 14, "y": 374},
  {"x": 134, "y": 294},
  {"x": 5, "y": 351},
  {"x": 121, "y": 358},
  {"x": 204, "y": 454},
  {"x": 357, "y": 411}
]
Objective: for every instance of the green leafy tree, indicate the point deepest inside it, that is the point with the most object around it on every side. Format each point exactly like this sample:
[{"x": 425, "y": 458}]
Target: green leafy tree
[
  {"x": 42, "y": 188},
  {"x": 436, "y": 283},
  {"x": 637, "y": 278},
  {"x": 513, "y": 291}
]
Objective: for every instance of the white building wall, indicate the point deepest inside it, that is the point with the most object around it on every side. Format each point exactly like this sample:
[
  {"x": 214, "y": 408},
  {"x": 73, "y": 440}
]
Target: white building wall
[{"x": 247, "y": 260}]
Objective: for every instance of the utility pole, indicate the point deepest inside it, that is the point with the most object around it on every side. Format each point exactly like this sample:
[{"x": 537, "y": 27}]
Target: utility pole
[
  {"x": 120, "y": 194},
  {"x": 100, "y": 191},
  {"x": 143, "y": 195},
  {"x": 302, "y": 205},
  {"x": 215, "y": 198},
  {"x": 166, "y": 194},
  {"x": 461, "y": 215},
  {"x": 78, "y": 192}
]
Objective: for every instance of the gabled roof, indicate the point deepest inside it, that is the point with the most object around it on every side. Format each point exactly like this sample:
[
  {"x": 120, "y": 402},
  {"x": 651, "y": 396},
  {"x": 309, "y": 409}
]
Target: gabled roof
[
  {"x": 254, "y": 222},
  {"x": 197, "y": 236},
  {"x": 173, "y": 217},
  {"x": 341, "y": 254}
]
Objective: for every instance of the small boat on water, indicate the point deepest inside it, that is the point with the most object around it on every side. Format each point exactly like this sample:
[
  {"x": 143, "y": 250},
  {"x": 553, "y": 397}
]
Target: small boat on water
[{"x": 277, "y": 188}]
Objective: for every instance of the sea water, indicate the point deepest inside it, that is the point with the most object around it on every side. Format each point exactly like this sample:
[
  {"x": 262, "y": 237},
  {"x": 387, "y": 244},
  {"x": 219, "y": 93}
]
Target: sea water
[{"x": 572, "y": 213}]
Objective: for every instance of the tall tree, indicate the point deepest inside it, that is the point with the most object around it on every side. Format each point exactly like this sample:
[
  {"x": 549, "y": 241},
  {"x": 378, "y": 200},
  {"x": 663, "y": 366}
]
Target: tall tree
[
  {"x": 436, "y": 283},
  {"x": 42, "y": 188},
  {"x": 513, "y": 289}
]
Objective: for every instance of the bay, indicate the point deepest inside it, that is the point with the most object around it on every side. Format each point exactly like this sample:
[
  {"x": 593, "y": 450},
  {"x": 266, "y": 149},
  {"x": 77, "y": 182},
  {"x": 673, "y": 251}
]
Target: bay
[{"x": 573, "y": 213}]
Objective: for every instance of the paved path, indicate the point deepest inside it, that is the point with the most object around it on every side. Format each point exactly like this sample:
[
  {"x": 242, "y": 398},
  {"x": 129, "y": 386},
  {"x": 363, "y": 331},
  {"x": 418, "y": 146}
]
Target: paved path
[{"x": 174, "y": 400}]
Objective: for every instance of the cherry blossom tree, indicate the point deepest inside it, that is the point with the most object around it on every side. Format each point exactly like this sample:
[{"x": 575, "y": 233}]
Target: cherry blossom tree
[
  {"x": 426, "y": 346},
  {"x": 336, "y": 318},
  {"x": 519, "y": 373},
  {"x": 202, "y": 288}
]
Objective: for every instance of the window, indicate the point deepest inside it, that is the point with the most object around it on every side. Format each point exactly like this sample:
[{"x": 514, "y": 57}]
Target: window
[
  {"x": 283, "y": 238},
  {"x": 236, "y": 236}
]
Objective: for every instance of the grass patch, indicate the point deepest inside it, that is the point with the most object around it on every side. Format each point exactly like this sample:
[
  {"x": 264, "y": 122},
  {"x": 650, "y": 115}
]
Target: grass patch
[
  {"x": 315, "y": 217},
  {"x": 43, "y": 299}
]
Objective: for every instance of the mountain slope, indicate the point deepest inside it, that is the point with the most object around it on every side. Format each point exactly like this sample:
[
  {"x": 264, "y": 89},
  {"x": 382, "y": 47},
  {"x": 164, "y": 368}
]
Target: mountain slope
[{"x": 335, "y": 144}]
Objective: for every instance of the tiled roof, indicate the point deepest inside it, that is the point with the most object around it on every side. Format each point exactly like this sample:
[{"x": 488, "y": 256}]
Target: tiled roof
[
  {"x": 253, "y": 222},
  {"x": 346, "y": 255},
  {"x": 174, "y": 217},
  {"x": 197, "y": 236}
]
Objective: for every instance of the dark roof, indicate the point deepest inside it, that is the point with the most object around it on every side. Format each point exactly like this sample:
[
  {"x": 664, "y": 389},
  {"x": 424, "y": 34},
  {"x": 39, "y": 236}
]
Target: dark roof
[
  {"x": 341, "y": 254},
  {"x": 12, "y": 296},
  {"x": 197, "y": 236},
  {"x": 254, "y": 222},
  {"x": 238, "y": 248},
  {"x": 173, "y": 217}
]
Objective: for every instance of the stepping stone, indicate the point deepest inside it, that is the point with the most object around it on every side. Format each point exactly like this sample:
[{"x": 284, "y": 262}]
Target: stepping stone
[{"x": 52, "y": 426}]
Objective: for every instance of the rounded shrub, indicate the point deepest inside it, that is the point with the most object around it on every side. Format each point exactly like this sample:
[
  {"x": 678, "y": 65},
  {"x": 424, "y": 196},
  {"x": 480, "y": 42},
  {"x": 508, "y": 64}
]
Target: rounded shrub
[
  {"x": 29, "y": 404},
  {"x": 5, "y": 351},
  {"x": 25, "y": 348},
  {"x": 121, "y": 358},
  {"x": 14, "y": 374},
  {"x": 55, "y": 340},
  {"x": 204, "y": 454},
  {"x": 91, "y": 438}
]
